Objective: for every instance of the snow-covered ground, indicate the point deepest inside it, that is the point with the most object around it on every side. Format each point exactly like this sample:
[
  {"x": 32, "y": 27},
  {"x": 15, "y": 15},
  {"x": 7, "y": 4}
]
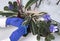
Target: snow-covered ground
[{"x": 6, "y": 32}]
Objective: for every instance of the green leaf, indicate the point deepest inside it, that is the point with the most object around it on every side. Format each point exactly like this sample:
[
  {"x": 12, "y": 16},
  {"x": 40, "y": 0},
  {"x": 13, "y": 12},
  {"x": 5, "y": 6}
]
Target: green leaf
[
  {"x": 33, "y": 27},
  {"x": 38, "y": 37},
  {"x": 27, "y": 20},
  {"x": 43, "y": 28},
  {"x": 51, "y": 36},
  {"x": 58, "y": 33},
  {"x": 6, "y": 8},
  {"x": 29, "y": 3},
  {"x": 47, "y": 39}
]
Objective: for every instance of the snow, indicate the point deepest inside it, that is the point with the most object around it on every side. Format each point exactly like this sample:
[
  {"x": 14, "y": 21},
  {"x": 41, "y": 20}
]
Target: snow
[
  {"x": 3, "y": 22},
  {"x": 6, "y": 32}
]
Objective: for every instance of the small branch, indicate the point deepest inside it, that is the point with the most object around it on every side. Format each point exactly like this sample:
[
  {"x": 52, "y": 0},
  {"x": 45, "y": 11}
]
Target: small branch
[{"x": 58, "y": 2}]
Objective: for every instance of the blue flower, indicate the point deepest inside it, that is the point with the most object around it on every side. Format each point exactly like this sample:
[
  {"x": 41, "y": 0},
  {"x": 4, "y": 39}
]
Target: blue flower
[
  {"x": 53, "y": 28},
  {"x": 46, "y": 17},
  {"x": 11, "y": 7}
]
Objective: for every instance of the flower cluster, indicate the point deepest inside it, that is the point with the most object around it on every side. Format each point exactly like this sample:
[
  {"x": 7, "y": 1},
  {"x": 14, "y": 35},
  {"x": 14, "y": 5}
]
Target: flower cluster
[
  {"x": 52, "y": 27},
  {"x": 47, "y": 18}
]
